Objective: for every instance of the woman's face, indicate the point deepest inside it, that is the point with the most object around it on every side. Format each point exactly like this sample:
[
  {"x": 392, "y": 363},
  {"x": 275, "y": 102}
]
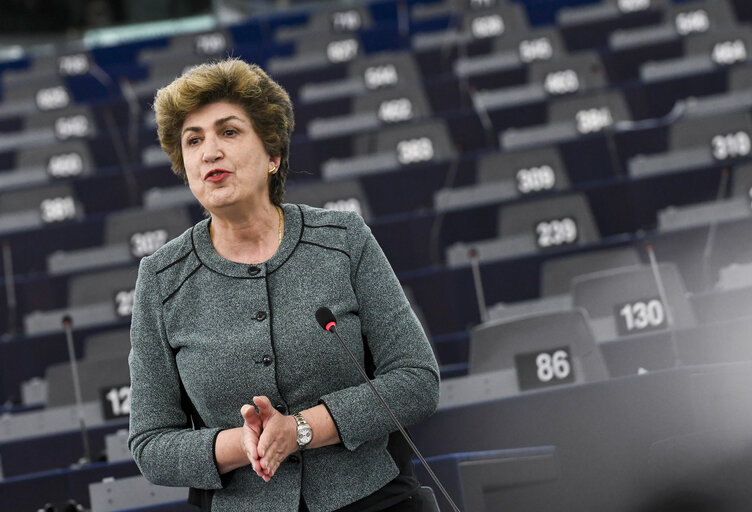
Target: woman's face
[{"x": 225, "y": 161}]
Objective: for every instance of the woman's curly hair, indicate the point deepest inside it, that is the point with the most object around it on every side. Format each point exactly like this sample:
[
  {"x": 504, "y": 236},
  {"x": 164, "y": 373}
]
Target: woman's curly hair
[{"x": 267, "y": 104}]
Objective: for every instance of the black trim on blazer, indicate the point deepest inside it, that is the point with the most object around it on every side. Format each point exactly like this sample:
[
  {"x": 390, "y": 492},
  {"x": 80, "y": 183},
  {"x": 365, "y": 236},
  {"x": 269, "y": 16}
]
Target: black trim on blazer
[
  {"x": 300, "y": 238},
  {"x": 274, "y": 348},
  {"x": 269, "y": 272},
  {"x": 164, "y": 301},
  {"x": 325, "y": 247},
  {"x": 325, "y": 226},
  {"x": 184, "y": 256}
]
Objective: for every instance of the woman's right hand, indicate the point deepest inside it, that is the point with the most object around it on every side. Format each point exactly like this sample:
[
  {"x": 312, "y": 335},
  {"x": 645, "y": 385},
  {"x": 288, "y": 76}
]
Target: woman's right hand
[{"x": 249, "y": 439}]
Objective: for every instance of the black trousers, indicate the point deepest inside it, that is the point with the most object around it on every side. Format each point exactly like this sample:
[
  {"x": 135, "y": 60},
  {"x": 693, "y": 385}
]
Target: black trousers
[{"x": 412, "y": 504}]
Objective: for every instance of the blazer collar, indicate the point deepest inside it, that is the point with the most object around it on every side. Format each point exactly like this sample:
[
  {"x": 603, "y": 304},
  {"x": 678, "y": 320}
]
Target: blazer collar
[{"x": 204, "y": 248}]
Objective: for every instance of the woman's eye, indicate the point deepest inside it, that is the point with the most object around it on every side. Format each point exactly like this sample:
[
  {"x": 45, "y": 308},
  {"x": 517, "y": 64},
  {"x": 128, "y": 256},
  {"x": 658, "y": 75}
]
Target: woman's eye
[
  {"x": 192, "y": 141},
  {"x": 230, "y": 132}
]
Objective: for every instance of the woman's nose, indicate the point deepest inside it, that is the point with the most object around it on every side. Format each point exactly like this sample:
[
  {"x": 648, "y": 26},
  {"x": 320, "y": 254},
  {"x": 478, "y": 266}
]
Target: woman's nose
[{"x": 212, "y": 151}]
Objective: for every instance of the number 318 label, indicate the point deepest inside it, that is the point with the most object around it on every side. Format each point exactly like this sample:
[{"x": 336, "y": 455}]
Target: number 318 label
[{"x": 550, "y": 367}]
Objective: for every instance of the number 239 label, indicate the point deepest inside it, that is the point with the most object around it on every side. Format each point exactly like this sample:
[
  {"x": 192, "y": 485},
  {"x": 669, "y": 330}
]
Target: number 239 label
[{"x": 546, "y": 368}]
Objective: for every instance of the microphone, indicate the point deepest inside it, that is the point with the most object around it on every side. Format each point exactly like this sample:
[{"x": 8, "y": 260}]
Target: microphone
[
  {"x": 67, "y": 322},
  {"x": 707, "y": 252},
  {"x": 664, "y": 299},
  {"x": 328, "y": 322},
  {"x": 325, "y": 318}
]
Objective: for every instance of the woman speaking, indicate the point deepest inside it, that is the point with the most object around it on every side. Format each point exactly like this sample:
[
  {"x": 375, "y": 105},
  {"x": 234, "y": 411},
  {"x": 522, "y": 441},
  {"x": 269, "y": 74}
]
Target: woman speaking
[{"x": 236, "y": 390}]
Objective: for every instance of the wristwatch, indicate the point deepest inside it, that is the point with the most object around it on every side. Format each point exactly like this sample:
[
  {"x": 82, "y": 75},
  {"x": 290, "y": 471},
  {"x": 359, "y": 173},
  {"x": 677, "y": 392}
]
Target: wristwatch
[{"x": 305, "y": 432}]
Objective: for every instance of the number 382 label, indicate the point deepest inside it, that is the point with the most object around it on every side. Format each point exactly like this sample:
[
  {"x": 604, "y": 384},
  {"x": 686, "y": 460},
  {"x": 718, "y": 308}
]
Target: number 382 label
[{"x": 541, "y": 369}]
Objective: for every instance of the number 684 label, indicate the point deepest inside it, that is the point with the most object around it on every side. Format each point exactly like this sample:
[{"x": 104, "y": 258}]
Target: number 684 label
[{"x": 545, "y": 368}]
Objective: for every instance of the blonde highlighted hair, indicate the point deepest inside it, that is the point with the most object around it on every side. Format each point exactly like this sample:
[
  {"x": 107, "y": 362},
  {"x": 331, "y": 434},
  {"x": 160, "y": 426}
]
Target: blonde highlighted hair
[{"x": 267, "y": 104}]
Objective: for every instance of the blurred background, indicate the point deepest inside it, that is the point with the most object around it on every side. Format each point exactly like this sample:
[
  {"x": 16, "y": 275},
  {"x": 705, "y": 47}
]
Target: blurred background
[{"x": 563, "y": 188}]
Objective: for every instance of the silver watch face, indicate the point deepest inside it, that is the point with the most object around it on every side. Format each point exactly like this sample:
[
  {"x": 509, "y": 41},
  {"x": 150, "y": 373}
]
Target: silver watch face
[{"x": 305, "y": 435}]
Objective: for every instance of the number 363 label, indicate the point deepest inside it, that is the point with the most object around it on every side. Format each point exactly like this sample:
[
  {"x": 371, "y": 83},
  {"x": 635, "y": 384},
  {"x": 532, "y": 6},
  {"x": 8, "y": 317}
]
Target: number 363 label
[{"x": 545, "y": 368}]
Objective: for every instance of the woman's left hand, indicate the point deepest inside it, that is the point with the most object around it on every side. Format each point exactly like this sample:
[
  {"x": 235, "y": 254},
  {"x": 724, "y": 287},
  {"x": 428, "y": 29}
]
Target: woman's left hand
[{"x": 279, "y": 437}]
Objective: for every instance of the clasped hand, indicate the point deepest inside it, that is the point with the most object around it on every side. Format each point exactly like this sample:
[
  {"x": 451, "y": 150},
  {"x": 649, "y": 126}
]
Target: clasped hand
[{"x": 268, "y": 436}]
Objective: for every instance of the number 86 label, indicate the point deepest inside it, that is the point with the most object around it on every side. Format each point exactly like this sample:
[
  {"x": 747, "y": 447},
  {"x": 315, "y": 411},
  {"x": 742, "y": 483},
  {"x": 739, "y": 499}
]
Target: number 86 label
[
  {"x": 552, "y": 366},
  {"x": 544, "y": 368}
]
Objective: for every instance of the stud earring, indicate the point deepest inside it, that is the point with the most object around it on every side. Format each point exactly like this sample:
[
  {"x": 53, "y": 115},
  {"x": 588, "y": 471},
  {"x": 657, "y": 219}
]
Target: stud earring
[{"x": 272, "y": 169}]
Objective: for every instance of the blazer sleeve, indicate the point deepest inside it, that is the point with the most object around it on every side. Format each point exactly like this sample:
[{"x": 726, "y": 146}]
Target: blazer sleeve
[
  {"x": 407, "y": 374},
  {"x": 165, "y": 447}
]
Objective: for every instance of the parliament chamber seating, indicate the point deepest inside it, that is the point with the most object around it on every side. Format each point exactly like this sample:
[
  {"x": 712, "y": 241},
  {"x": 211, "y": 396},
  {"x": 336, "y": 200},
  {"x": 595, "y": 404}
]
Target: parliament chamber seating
[
  {"x": 563, "y": 188},
  {"x": 505, "y": 176},
  {"x": 479, "y": 480}
]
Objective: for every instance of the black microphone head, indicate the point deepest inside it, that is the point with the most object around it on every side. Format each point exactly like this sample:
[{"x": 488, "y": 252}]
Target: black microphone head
[{"x": 325, "y": 318}]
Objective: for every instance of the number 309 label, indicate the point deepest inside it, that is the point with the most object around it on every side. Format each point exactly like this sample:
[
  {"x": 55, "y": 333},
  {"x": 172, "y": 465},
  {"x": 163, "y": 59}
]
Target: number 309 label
[{"x": 550, "y": 367}]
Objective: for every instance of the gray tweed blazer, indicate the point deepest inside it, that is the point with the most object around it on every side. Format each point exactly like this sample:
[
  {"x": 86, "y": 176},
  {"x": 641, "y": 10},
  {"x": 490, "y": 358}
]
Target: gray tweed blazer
[{"x": 229, "y": 331}]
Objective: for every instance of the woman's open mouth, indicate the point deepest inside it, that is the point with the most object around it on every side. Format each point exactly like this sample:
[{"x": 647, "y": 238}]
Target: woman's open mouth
[{"x": 216, "y": 175}]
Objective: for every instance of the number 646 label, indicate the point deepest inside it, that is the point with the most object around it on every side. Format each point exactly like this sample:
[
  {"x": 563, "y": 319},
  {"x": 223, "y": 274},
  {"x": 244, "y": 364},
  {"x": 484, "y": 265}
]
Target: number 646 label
[{"x": 550, "y": 367}]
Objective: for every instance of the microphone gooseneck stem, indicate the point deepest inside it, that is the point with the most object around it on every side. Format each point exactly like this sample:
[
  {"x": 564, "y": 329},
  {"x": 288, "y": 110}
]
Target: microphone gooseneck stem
[
  {"x": 10, "y": 287},
  {"x": 68, "y": 327},
  {"x": 664, "y": 299},
  {"x": 480, "y": 296},
  {"x": 333, "y": 329},
  {"x": 707, "y": 251}
]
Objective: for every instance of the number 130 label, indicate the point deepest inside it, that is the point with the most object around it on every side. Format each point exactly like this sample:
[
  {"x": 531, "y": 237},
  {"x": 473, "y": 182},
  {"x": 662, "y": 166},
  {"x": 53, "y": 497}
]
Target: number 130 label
[{"x": 640, "y": 316}]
